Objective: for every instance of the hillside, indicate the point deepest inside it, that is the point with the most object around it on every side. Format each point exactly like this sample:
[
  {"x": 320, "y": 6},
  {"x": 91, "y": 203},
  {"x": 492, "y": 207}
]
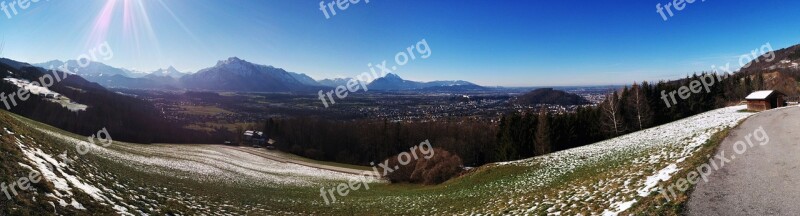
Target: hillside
[
  {"x": 105, "y": 109},
  {"x": 786, "y": 58},
  {"x": 779, "y": 70},
  {"x": 603, "y": 178},
  {"x": 550, "y": 96}
]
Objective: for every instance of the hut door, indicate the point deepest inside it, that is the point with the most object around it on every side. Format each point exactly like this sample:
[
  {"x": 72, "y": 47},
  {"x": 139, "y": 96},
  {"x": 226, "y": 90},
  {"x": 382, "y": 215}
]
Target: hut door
[{"x": 773, "y": 102}]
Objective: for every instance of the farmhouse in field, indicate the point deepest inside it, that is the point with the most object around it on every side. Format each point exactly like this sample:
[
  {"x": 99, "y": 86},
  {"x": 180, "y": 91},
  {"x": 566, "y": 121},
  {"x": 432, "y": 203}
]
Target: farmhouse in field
[
  {"x": 765, "y": 100},
  {"x": 255, "y": 138}
]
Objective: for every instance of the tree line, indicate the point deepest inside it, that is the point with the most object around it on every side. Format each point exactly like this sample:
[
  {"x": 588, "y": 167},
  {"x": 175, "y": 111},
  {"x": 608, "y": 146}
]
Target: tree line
[
  {"x": 633, "y": 108},
  {"x": 522, "y": 134},
  {"x": 365, "y": 141}
]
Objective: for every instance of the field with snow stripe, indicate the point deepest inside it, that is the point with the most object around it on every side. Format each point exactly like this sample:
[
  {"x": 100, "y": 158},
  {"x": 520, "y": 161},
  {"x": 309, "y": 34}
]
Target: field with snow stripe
[
  {"x": 212, "y": 163},
  {"x": 605, "y": 178}
]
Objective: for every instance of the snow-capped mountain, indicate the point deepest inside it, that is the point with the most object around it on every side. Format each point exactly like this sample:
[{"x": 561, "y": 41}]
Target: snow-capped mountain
[{"x": 170, "y": 72}]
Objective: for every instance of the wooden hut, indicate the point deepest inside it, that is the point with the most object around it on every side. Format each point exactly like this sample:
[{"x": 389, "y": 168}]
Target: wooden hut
[{"x": 765, "y": 100}]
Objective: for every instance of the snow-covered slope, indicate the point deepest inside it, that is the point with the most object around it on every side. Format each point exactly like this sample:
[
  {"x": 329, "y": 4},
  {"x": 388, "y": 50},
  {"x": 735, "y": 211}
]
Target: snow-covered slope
[
  {"x": 33, "y": 89},
  {"x": 650, "y": 156},
  {"x": 51, "y": 96},
  {"x": 100, "y": 181}
]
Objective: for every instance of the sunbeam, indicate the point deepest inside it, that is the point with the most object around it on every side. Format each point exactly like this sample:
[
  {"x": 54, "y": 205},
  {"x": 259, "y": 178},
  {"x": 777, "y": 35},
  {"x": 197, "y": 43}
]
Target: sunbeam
[
  {"x": 148, "y": 27},
  {"x": 101, "y": 24},
  {"x": 136, "y": 28}
]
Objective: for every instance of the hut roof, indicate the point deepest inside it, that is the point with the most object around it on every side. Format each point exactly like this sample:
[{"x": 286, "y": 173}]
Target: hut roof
[{"x": 760, "y": 95}]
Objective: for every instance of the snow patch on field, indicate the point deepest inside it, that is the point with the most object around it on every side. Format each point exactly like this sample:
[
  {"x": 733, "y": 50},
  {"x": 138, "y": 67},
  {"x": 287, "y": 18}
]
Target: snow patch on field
[
  {"x": 652, "y": 181},
  {"x": 620, "y": 206},
  {"x": 211, "y": 163},
  {"x": 64, "y": 183},
  {"x": 45, "y": 168}
]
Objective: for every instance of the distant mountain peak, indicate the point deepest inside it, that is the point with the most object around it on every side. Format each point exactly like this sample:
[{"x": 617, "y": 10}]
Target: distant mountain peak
[
  {"x": 235, "y": 74},
  {"x": 55, "y": 63},
  {"x": 392, "y": 76},
  {"x": 394, "y": 82},
  {"x": 170, "y": 72},
  {"x": 231, "y": 60},
  {"x": 169, "y": 69},
  {"x": 339, "y": 81}
]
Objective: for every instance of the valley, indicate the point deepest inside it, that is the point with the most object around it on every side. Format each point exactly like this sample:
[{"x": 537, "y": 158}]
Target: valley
[{"x": 207, "y": 110}]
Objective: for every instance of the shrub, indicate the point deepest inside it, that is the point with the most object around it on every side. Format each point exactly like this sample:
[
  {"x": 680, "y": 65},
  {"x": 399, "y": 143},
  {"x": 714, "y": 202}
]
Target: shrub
[
  {"x": 440, "y": 167},
  {"x": 314, "y": 154}
]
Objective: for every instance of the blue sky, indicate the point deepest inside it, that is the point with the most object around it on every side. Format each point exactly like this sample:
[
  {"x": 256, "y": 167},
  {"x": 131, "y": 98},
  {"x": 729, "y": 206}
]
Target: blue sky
[{"x": 509, "y": 43}]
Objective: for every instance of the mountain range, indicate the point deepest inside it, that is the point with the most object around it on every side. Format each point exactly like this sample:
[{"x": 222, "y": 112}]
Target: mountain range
[
  {"x": 393, "y": 82},
  {"x": 112, "y": 77},
  {"x": 130, "y": 118},
  {"x": 234, "y": 74}
]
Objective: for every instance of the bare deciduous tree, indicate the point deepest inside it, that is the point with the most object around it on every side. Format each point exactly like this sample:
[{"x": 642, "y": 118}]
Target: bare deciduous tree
[
  {"x": 612, "y": 115},
  {"x": 543, "y": 145},
  {"x": 642, "y": 115}
]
